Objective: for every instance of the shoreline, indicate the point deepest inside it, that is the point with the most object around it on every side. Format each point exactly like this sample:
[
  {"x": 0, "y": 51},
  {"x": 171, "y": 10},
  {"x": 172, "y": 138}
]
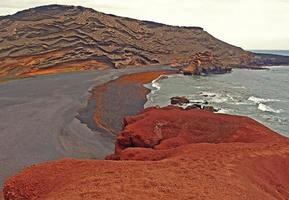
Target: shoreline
[
  {"x": 242, "y": 92},
  {"x": 54, "y": 129},
  {"x": 130, "y": 94},
  {"x": 168, "y": 142}
]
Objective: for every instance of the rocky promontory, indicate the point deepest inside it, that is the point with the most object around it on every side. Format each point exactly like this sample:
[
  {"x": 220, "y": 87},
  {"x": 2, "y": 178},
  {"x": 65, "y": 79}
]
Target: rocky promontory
[{"x": 170, "y": 153}]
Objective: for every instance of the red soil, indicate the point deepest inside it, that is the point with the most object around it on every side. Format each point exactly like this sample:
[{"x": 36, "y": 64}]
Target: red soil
[
  {"x": 200, "y": 155},
  {"x": 143, "y": 77}
]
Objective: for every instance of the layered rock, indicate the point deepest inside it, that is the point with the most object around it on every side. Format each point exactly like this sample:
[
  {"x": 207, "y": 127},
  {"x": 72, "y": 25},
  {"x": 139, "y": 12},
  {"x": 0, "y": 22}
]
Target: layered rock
[
  {"x": 59, "y": 38},
  {"x": 204, "y": 63}
]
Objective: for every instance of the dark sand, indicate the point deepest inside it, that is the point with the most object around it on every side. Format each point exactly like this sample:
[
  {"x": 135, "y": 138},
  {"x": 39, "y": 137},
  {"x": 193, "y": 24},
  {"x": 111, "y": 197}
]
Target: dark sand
[
  {"x": 38, "y": 119},
  {"x": 111, "y": 102}
]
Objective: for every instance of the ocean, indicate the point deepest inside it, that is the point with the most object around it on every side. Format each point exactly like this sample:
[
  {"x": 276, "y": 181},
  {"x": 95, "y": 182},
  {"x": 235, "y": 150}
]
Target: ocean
[
  {"x": 260, "y": 94},
  {"x": 277, "y": 52}
]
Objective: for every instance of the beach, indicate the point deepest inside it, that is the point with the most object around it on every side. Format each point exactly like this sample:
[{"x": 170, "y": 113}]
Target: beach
[{"x": 39, "y": 118}]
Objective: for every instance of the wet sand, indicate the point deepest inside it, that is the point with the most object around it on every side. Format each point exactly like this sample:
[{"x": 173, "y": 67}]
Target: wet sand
[
  {"x": 38, "y": 119},
  {"x": 111, "y": 102}
]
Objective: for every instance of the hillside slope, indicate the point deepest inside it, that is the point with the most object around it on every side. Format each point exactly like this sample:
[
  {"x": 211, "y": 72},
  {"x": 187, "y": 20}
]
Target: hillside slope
[{"x": 63, "y": 38}]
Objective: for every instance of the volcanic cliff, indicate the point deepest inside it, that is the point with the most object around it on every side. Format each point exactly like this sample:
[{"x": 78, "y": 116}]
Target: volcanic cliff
[
  {"x": 58, "y": 38},
  {"x": 181, "y": 153}
]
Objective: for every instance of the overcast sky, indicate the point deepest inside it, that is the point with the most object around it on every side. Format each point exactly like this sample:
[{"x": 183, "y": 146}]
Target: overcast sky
[{"x": 251, "y": 24}]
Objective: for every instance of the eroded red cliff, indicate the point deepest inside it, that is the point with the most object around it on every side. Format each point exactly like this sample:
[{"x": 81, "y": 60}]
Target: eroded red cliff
[
  {"x": 197, "y": 155},
  {"x": 156, "y": 130}
]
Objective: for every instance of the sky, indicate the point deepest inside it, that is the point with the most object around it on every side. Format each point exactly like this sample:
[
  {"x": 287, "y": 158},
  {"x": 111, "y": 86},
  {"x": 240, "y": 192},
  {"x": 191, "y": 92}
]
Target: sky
[{"x": 250, "y": 24}]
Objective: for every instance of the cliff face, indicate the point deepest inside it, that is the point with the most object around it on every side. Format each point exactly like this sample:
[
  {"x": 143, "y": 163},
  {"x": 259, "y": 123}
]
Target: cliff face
[
  {"x": 197, "y": 155},
  {"x": 155, "y": 133},
  {"x": 63, "y": 38}
]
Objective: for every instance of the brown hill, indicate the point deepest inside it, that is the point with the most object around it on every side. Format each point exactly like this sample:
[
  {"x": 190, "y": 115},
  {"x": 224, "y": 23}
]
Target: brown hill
[
  {"x": 200, "y": 155},
  {"x": 59, "y": 38}
]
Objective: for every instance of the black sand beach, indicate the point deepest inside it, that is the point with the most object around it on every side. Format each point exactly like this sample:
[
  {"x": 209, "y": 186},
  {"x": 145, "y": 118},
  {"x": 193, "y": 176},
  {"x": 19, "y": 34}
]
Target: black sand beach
[{"x": 38, "y": 118}]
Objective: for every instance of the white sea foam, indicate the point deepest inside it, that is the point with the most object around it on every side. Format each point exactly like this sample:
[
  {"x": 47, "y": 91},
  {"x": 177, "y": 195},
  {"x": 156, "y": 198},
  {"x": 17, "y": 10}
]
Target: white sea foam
[
  {"x": 224, "y": 111},
  {"x": 260, "y": 100},
  {"x": 156, "y": 85},
  {"x": 219, "y": 99},
  {"x": 194, "y": 101},
  {"x": 199, "y": 87},
  {"x": 216, "y": 97},
  {"x": 230, "y": 97},
  {"x": 208, "y": 94},
  {"x": 240, "y": 103},
  {"x": 238, "y": 87},
  {"x": 266, "y": 108}
]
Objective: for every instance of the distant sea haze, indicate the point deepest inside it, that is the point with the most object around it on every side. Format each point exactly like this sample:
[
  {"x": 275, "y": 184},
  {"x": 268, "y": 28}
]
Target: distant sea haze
[{"x": 277, "y": 52}]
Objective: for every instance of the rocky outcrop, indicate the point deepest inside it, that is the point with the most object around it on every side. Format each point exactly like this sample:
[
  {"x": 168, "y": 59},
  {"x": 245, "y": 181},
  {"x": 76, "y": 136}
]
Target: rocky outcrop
[
  {"x": 210, "y": 108},
  {"x": 257, "y": 59},
  {"x": 57, "y": 38},
  {"x": 183, "y": 101},
  {"x": 158, "y": 131},
  {"x": 179, "y": 100},
  {"x": 196, "y": 155},
  {"x": 204, "y": 63}
]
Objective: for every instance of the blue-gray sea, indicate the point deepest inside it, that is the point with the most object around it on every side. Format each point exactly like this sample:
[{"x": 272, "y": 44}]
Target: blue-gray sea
[{"x": 260, "y": 94}]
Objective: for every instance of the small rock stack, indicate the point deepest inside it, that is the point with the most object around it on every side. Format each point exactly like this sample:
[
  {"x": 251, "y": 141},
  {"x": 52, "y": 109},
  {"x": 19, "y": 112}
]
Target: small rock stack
[{"x": 204, "y": 63}]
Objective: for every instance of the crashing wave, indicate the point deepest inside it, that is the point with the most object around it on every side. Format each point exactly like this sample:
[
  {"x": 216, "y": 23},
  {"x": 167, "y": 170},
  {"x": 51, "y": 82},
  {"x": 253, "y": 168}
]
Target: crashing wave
[
  {"x": 208, "y": 94},
  {"x": 240, "y": 103},
  {"x": 260, "y": 100},
  {"x": 224, "y": 111},
  {"x": 266, "y": 108},
  {"x": 156, "y": 85}
]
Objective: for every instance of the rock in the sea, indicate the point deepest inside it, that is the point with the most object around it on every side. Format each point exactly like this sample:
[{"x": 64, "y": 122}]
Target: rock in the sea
[
  {"x": 210, "y": 108},
  {"x": 194, "y": 106},
  {"x": 204, "y": 63},
  {"x": 179, "y": 100}
]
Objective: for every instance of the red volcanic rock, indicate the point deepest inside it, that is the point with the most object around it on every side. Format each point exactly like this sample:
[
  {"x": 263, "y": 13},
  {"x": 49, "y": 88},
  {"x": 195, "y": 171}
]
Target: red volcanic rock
[
  {"x": 196, "y": 154},
  {"x": 170, "y": 127}
]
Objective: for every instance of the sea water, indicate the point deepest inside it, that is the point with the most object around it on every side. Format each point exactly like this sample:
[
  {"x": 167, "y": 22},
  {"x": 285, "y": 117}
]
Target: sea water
[{"x": 260, "y": 94}]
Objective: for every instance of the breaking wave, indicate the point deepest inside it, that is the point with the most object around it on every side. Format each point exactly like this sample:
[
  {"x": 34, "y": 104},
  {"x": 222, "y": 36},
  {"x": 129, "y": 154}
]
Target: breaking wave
[
  {"x": 260, "y": 100},
  {"x": 266, "y": 108}
]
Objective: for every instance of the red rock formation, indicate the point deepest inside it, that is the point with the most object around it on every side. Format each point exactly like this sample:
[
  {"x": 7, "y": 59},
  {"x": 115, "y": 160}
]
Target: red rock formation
[
  {"x": 204, "y": 62},
  {"x": 170, "y": 127},
  {"x": 199, "y": 155}
]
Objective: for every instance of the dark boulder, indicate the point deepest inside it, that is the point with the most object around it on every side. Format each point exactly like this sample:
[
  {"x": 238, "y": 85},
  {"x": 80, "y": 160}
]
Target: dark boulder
[
  {"x": 210, "y": 108},
  {"x": 179, "y": 100},
  {"x": 194, "y": 106}
]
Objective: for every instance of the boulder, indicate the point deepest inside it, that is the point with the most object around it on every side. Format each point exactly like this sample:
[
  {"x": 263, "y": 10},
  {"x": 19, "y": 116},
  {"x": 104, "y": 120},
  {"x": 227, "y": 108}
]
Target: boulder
[
  {"x": 194, "y": 106},
  {"x": 179, "y": 100},
  {"x": 189, "y": 70},
  {"x": 209, "y": 108}
]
